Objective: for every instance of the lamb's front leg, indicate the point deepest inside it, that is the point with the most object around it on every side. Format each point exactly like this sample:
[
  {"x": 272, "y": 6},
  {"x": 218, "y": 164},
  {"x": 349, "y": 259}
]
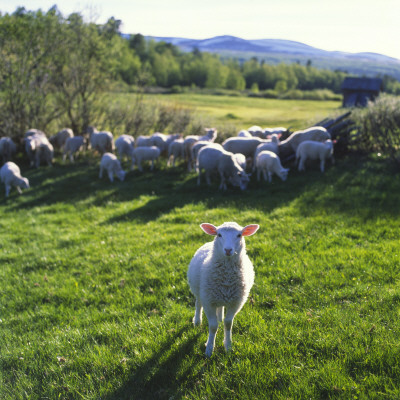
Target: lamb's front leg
[
  {"x": 211, "y": 313},
  {"x": 228, "y": 322}
]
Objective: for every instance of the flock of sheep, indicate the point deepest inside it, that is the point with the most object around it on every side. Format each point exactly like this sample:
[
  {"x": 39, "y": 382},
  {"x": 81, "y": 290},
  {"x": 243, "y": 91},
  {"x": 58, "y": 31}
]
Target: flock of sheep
[{"x": 255, "y": 149}]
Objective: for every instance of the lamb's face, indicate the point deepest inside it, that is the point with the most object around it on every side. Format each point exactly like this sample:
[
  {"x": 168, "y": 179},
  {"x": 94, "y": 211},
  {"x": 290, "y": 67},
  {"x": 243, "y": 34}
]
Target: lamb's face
[
  {"x": 240, "y": 179},
  {"x": 229, "y": 237},
  {"x": 24, "y": 183},
  {"x": 121, "y": 175}
]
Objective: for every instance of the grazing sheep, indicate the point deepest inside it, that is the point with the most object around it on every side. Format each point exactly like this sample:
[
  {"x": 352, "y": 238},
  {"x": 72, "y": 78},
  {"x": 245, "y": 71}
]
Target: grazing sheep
[
  {"x": 199, "y": 145},
  {"x": 73, "y": 145},
  {"x": 58, "y": 140},
  {"x": 102, "y": 141},
  {"x": 255, "y": 131},
  {"x": 10, "y": 175},
  {"x": 175, "y": 150},
  {"x": 111, "y": 164},
  {"x": 289, "y": 146},
  {"x": 7, "y": 148},
  {"x": 273, "y": 131},
  {"x": 145, "y": 154},
  {"x": 189, "y": 141},
  {"x": 244, "y": 133},
  {"x": 314, "y": 151},
  {"x": 243, "y": 145},
  {"x": 221, "y": 275},
  {"x": 212, "y": 158},
  {"x": 241, "y": 160},
  {"x": 269, "y": 163},
  {"x": 271, "y": 145},
  {"x": 125, "y": 147},
  {"x": 162, "y": 141},
  {"x": 44, "y": 152},
  {"x": 144, "y": 141}
]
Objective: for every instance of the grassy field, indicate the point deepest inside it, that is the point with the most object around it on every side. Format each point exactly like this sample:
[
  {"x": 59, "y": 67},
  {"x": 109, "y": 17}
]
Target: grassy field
[
  {"x": 244, "y": 112},
  {"x": 95, "y": 303}
]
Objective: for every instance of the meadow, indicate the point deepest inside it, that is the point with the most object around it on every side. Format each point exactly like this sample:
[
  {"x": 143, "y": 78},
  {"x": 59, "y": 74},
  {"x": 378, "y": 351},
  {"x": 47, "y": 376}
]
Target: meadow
[{"x": 95, "y": 303}]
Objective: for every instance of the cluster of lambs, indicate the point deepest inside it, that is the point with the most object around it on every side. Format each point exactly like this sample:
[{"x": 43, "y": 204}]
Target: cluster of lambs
[{"x": 255, "y": 149}]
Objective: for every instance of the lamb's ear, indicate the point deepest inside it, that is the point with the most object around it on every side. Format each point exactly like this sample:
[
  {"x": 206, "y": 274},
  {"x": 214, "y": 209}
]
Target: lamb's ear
[
  {"x": 209, "y": 229},
  {"x": 250, "y": 230}
]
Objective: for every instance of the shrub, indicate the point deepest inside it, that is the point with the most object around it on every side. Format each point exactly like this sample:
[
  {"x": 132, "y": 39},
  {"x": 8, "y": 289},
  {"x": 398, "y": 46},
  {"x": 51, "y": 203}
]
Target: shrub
[{"x": 379, "y": 126}]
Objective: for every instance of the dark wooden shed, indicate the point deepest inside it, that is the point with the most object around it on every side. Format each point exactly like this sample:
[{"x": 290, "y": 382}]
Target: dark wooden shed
[{"x": 358, "y": 91}]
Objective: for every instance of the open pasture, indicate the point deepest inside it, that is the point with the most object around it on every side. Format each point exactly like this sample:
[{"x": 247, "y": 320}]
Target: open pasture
[
  {"x": 244, "y": 112},
  {"x": 95, "y": 303}
]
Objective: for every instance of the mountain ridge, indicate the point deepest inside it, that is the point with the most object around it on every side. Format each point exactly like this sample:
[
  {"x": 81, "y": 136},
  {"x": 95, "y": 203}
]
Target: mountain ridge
[{"x": 289, "y": 51}]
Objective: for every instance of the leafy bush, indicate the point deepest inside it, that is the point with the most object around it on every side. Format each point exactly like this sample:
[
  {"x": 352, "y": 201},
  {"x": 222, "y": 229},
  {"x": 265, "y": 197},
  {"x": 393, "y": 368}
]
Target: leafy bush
[{"x": 379, "y": 126}]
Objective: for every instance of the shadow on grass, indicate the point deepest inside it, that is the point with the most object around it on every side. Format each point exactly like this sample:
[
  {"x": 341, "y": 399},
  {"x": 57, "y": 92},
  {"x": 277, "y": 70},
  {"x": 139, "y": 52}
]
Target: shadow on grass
[
  {"x": 163, "y": 374},
  {"x": 354, "y": 186}
]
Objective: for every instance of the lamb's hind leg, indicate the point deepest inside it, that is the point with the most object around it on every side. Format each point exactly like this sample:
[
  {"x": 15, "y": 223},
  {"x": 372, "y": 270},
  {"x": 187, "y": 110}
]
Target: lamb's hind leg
[
  {"x": 211, "y": 313},
  {"x": 198, "y": 313}
]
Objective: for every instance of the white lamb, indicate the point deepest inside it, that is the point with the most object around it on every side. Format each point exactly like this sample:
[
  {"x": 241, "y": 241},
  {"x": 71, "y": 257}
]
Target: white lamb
[
  {"x": 269, "y": 163},
  {"x": 145, "y": 154},
  {"x": 243, "y": 145},
  {"x": 316, "y": 133},
  {"x": 7, "y": 148},
  {"x": 44, "y": 153},
  {"x": 10, "y": 175},
  {"x": 199, "y": 145},
  {"x": 255, "y": 131},
  {"x": 73, "y": 145},
  {"x": 143, "y": 141},
  {"x": 58, "y": 140},
  {"x": 271, "y": 145},
  {"x": 162, "y": 141},
  {"x": 175, "y": 150},
  {"x": 32, "y": 140},
  {"x": 111, "y": 164},
  {"x": 102, "y": 141},
  {"x": 212, "y": 159},
  {"x": 189, "y": 141},
  {"x": 244, "y": 133},
  {"x": 221, "y": 275},
  {"x": 125, "y": 147},
  {"x": 311, "y": 150}
]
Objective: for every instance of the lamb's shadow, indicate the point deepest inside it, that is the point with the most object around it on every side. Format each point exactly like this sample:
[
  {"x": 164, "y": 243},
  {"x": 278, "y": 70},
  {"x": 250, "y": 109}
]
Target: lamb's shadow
[{"x": 161, "y": 376}]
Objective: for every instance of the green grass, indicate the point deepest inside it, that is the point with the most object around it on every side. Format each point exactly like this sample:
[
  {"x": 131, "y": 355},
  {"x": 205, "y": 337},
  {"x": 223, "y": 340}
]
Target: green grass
[
  {"x": 94, "y": 301},
  {"x": 245, "y": 112}
]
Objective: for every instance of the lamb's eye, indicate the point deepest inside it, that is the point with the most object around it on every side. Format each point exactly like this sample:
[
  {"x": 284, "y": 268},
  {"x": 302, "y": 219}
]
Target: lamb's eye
[
  {"x": 239, "y": 234},
  {"x": 219, "y": 235}
]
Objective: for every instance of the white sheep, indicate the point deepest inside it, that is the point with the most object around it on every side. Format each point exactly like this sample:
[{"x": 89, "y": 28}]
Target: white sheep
[
  {"x": 175, "y": 150},
  {"x": 10, "y": 175},
  {"x": 58, "y": 140},
  {"x": 102, "y": 141},
  {"x": 32, "y": 132},
  {"x": 244, "y": 133},
  {"x": 111, "y": 164},
  {"x": 7, "y": 148},
  {"x": 316, "y": 133},
  {"x": 143, "y": 141},
  {"x": 189, "y": 141},
  {"x": 162, "y": 141},
  {"x": 221, "y": 275},
  {"x": 32, "y": 140},
  {"x": 145, "y": 154},
  {"x": 125, "y": 147},
  {"x": 269, "y": 163},
  {"x": 212, "y": 159},
  {"x": 199, "y": 145},
  {"x": 44, "y": 152},
  {"x": 271, "y": 145},
  {"x": 273, "y": 131},
  {"x": 311, "y": 150},
  {"x": 243, "y": 145},
  {"x": 255, "y": 131},
  {"x": 73, "y": 145}
]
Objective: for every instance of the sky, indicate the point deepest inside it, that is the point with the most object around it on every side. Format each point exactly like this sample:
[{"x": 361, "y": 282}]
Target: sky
[{"x": 340, "y": 25}]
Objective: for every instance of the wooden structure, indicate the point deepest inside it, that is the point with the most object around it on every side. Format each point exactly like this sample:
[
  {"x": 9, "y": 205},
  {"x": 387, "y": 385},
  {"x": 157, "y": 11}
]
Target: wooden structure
[{"x": 358, "y": 91}]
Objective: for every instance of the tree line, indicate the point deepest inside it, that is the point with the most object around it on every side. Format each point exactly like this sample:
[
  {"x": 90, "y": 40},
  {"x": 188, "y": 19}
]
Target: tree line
[{"x": 59, "y": 68}]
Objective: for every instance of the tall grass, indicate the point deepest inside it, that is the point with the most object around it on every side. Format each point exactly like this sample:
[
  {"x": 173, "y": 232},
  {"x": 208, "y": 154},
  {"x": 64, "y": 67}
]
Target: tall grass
[{"x": 95, "y": 303}]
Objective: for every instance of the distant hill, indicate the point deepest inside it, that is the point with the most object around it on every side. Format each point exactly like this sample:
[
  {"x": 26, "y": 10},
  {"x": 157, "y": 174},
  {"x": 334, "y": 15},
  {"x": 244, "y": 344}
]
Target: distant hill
[{"x": 274, "y": 51}]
